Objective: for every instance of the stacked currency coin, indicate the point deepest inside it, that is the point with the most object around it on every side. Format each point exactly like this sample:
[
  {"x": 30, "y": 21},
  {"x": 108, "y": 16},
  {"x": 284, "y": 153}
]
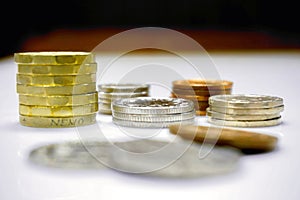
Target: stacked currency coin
[
  {"x": 199, "y": 91},
  {"x": 56, "y": 89},
  {"x": 110, "y": 91},
  {"x": 152, "y": 112},
  {"x": 243, "y": 110}
]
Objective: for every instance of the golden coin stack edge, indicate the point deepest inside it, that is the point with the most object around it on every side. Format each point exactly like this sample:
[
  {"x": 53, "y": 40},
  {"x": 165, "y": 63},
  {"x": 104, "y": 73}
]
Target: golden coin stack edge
[
  {"x": 199, "y": 91},
  {"x": 56, "y": 89}
]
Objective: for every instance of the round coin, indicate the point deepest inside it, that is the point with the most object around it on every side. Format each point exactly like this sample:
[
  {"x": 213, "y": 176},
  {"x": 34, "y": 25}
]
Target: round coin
[
  {"x": 200, "y": 92},
  {"x": 152, "y": 105},
  {"x": 252, "y": 111},
  {"x": 154, "y": 118},
  {"x": 200, "y": 84},
  {"x": 58, "y": 111},
  {"x": 245, "y": 101},
  {"x": 55, "y": 80},
  {"x": 56, "y": 90},
  {"x": 139, "y": 124},
  {"x": 54, "y": 57},
  {"x": 67, "y": 100},
  {"x": 200, "y": 113},
  {"x": 123, "y": 88},
  {"x": 121, "y": 95},
  {"x": 228, "y": 117},
  {"x": 261, "y": 123},
  {"x": 191, "y": 97},
  {"x": 87, "y": 68},
  {"x": 57, "y": 122}
]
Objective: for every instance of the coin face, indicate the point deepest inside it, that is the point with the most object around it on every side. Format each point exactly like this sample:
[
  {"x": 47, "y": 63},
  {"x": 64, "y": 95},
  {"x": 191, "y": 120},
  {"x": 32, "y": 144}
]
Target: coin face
[
  {"x": 123, "y": 88},
  {"x": 260, "y": 123},
  {"x": 152, "y": 105},
  {"x": 245, "y": 101},
  {"x": 201, "y": 84}
]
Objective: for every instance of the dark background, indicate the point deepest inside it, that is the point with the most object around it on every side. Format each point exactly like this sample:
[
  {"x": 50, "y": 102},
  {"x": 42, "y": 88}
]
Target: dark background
[{"x": 28, "y": 19}]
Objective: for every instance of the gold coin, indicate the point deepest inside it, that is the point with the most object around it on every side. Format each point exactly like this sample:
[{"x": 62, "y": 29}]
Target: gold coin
[
  {"x": 87, "y": 68},
  {"x": 123, "y": 88},
  {"x": 105, "y": 106},
  {"x": 200, "y": 113},
  {"x": 66, "y": 100},
  {"x": 56, "y": 90},
  {"x": 252, "y": 111},
  {"x": 228, "y": 117},
  {"x": 55, "y": 80},
  {"x": 201, "y": 84},
  {"x": 113, "y": 96},
  {"x": 261, "y": 123},
  {"x": 200, "y": 92},
  {"x": 57, "y": 122},
  {"x": 245, "y": 101},
  {"x": 105, "y": 111},
  {"x": 58, "y": 111},
  {"x": 54, "y": 57}
]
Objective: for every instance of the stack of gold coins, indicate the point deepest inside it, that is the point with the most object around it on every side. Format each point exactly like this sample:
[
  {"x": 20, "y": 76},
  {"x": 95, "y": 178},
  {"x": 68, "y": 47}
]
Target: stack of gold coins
[
  {"x": 56, "y": 89},
  {"x": 199, "y": 91},
  {"x": 152, "y": 112},
  {"x": 110, "y": 91},
  {"x": 245, "y": 110}
]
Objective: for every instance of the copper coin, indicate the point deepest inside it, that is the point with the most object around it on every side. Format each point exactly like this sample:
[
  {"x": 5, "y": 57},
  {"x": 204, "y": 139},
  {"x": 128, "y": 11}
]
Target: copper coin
[
  {"x": 202, "y": 84},
  {"x": 179, "y": 91}
]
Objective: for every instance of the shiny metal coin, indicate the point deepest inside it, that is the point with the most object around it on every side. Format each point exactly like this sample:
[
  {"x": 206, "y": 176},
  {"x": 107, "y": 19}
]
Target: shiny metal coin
[
  {"x": 252, "y": 111},
  {"x": 142, "y": 124},
  {"x": 154, "y": 118},
  {"x": 152, "y": 105},
  {"x": 121, "y": 95},
  {"x": 262, "y": 123},
  {"x": 123, "y": 88},
  {"x": 228, "y": 117},
  {"x": 245, "y": 101}
]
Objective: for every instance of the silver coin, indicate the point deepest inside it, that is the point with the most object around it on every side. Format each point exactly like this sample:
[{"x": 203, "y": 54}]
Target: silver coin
[
  {"x": 252, "y": 111},
  {"x": 217, "y": 115},
  {"x": 245, "y": 101},
  {"x": 152, "y": 105},
  {"x": 262, "y": 123},
  {"x": 121, "y": 95},
  {"x": 154, "y": 118},
  {"x": 123, "y": 88},
  {"x": 141, "y": 124},
  {"x": 105, "y": 155}
]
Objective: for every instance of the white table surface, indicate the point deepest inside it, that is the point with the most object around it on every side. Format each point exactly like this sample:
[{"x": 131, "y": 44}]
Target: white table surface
[{"x": 271, "y": 175}]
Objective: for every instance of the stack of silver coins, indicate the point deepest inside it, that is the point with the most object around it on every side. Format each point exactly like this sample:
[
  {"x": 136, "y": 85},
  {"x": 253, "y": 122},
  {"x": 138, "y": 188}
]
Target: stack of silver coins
[
  {"x": 242, "y": 110},
  {"x": 152, "y": 112},
  {"x": 109, "y": 92}
]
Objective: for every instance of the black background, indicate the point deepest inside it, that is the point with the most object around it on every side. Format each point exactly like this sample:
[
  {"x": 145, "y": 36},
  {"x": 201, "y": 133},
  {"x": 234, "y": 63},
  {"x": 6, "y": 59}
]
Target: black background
[{"x": 25, "y": 19}]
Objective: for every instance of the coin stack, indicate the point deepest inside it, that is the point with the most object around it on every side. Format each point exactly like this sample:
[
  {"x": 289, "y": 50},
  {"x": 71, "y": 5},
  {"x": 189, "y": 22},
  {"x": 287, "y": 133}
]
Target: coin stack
[
  {"x": 56, "y": 89},
  {"x": 242, "y": 110},
  {"x": 110, "y": 91},
  {"x": 199, "y": 91},
  {"x": 152, "y": 112}
]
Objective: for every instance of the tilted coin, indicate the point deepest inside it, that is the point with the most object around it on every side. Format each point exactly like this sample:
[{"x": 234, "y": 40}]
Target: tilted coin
[
  {"x": 202, "y": 84},
  {"x": 252, "y": 111},
  {"x": 141, "y": 124},
  {"x": 55, "y": 80},
  {"x": 86, "y": 68},
  {"x": 154, "y": 118},
  {"x": 152, "y": 105},
  {"x": 57, "y": 122},
  {"x": 199, "y": 92},
  {"x": 121, "y": 95},
  {"x": 261, "y": 123},
  {"x": 123, "y": 88},
  {"x": 58, "y": 111},
  {"x": 54, "y": 57},
  {"x": 246, "y": 117},
  {"x": 56, "y": 90},
  {"x": 245, "y": 101},
  {"x": 66, "y": 100}
]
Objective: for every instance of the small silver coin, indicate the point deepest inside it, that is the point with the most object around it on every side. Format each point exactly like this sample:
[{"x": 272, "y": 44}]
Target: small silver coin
[
  {"x": 245, "y": 101},
  {"x": 152, "y": 105}
]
